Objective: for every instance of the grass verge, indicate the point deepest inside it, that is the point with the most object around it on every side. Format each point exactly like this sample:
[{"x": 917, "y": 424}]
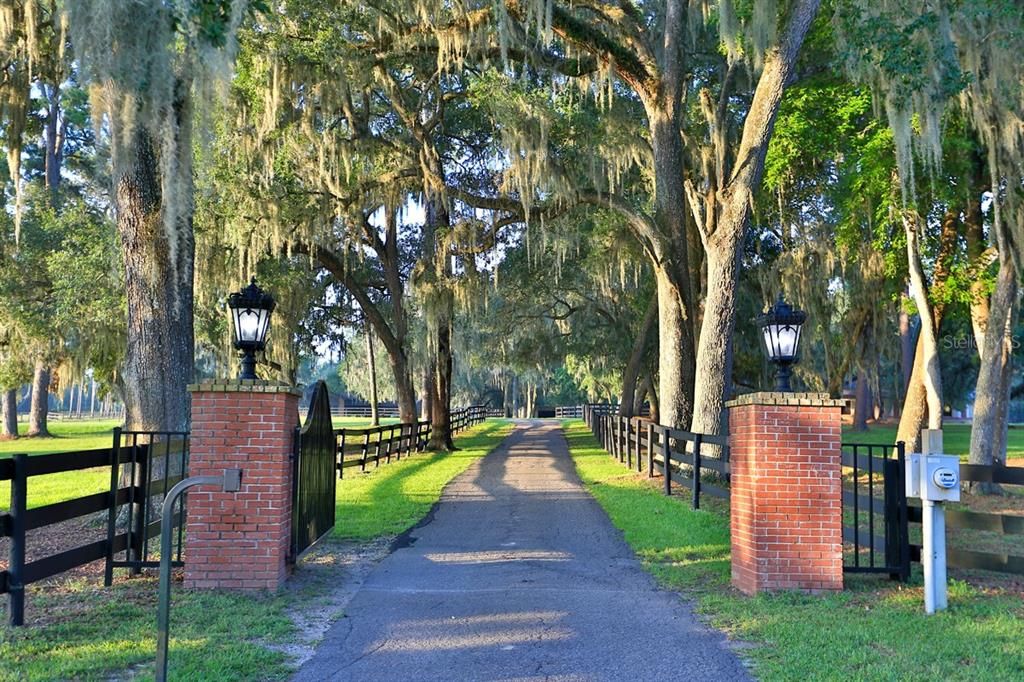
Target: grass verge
[
  {"x": 393, "y": 497},
  {"x": 81, "y": 630},
  {"x": 874, "y": 630}
]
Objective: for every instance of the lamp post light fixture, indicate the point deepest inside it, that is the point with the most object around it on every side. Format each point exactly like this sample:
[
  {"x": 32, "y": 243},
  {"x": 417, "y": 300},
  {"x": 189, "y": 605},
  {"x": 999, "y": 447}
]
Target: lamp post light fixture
[
  {"x": 780, "y": 335},
  {"x": 250, "y": 313}
]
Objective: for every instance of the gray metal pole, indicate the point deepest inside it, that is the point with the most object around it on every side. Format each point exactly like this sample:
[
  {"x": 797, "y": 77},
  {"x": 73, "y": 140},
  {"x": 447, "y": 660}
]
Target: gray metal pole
[{"x": 230, "y": 481}]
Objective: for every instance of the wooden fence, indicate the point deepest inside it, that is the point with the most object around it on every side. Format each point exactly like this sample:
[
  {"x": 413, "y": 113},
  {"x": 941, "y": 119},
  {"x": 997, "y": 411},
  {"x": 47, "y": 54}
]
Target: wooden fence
[
  {"x": 885, "y": 498},
  {"x": 699, "y": 462},
  {"x": 363, "y": 446},
  {"x": 1003, "y": 524},
  {"x": 147, "y": 481}
]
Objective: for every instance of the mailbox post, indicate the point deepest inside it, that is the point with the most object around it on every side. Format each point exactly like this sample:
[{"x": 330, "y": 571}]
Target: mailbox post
[{"x": 935, "y": 478}]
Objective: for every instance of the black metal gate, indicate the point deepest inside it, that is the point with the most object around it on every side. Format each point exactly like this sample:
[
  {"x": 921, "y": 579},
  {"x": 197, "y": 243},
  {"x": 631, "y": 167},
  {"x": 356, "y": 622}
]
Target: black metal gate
[
  {"x": 151, "y": 463},
  {"x": 313, "y": 479},
  {"x": 874, "y": 486}
]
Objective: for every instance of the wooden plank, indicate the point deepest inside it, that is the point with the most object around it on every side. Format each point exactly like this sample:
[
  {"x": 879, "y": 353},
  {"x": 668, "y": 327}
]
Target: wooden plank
[
  {"x": 5, "y": 524},
  {"x": 720, "y": 440},
  {"x": 992, "y": 474},
  {"x": 66, "y": 560},
  {"x": 1001, "y": 563},
  {"x": 714, "y": 490},
  {"x": 862, "y": 463},
  {"x": 3, "y": 582},
  {"x": 40, "y": 465},
  {"x": 6, "y": 471},
  {"x": 863, "y": 501},
  {"x": 997, "y": 523},
  {"x": 679, "y": 434},
  {"x": 713, "y": 464},
  {"x": 70, "y": 509},
  {"x": 681, "y": 457},
  {"x": 864, "y": 539}
]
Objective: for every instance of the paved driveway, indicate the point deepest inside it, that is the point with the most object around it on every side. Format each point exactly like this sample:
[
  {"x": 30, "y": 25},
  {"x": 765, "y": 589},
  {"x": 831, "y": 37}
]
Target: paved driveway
[{"x": 519, "y": 575}]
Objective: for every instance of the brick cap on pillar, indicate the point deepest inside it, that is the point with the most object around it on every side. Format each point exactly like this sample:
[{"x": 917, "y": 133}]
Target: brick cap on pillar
[
  {"x": 785, "y": 398},
  {"x": 244, "y": 386}
]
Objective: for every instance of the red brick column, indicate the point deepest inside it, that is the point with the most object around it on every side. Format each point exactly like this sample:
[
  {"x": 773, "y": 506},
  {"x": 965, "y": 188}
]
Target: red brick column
[
  {"x": 241, "y": 540},
  {"x": 786, "y": 490}
]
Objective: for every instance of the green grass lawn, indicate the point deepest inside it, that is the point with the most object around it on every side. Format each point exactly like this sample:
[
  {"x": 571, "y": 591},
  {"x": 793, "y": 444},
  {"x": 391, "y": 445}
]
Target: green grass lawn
[
  {"x": 83, "y": 631},
  {"x": 360, "y": 422},
  {"x": 874, "y": 630},
  {"x": 956, "y": 438},
  {"x": 68, "y": 436},
  {"x": 390, "y": 499}
]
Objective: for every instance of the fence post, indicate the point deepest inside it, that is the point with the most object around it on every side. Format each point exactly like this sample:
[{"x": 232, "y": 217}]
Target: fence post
[
  {"x": 366, "y": 449},
  {"x": 698, "y": 439},
  {"x": 639, "y": 426},
  {"x": 341, "y": 455},
  {"x": 629, "y": 447},
  {"x": 667, "y": 467},
  {"x": 140, "y": 502},
  {"x": 650, "y": 450},
  {"x": 897, "y": 536},
  {"x": 16, "y": 564},
  {"x": 115, "y": 465}
]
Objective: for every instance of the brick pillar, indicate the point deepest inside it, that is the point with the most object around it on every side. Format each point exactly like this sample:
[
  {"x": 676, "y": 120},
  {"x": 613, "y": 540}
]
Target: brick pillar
[
  {"x": 241, "y": 540},
  {"x": 786, "y": 492}
]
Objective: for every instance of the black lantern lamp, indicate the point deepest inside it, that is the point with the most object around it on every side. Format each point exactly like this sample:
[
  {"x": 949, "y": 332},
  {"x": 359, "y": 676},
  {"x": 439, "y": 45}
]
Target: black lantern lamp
[
  {"x": 780, "y": 334},
  {"x": 250, "y": 312}
]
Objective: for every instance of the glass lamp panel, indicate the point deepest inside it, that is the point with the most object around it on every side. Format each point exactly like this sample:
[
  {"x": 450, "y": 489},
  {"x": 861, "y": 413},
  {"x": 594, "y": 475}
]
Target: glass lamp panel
[
  {"x": 787, "y": 337},
  {"x": 261, "y": 329},
  {"x": 247, "y": 324},
  {"x": 769, "y": 341}
]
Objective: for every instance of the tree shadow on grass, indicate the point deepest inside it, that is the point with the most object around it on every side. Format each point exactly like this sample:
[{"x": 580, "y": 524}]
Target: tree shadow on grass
[{"x": 391, "y": 498}]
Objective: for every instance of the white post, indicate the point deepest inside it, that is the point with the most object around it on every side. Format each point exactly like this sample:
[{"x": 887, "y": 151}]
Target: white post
[{"x": 933, "y": 528}]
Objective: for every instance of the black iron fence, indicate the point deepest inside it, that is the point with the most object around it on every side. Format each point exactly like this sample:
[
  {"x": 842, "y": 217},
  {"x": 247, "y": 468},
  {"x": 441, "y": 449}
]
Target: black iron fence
[
  {"x": 874, "y": 502},
  {"x": 696, "y": 461},
  {"x": 143, "y": 465}
]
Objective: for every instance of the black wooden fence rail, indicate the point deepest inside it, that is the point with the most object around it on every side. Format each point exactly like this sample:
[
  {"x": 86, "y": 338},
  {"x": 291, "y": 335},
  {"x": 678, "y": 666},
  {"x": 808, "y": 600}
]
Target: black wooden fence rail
[
  {"x": 1003, "y": 524},
  {"x": 887, "y": 538},
  {"x": 129, "y": 450},
  {"x": 363, "y": 446},
  {"x": 681, "y": 457}
]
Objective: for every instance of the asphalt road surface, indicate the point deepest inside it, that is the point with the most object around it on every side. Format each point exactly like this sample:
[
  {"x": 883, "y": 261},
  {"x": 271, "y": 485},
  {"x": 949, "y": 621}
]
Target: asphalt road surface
[{"x": 518, "y": 575}]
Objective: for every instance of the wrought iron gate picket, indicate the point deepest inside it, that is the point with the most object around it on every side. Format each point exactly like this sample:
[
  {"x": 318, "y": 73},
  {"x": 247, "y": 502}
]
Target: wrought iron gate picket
[
  {"x": 878, "y": 547},
  {"x": 313, "y": 474}
]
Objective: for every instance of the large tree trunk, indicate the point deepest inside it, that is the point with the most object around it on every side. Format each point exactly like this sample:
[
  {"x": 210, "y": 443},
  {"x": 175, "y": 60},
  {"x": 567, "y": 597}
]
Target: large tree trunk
[
  {"x": 725, "y": 215},
  {"x": 426, "y": 396},
  {"x": 931, "y": 374},
  {"x": 676, "y": 359},
  {"x": 863, "y": 403},
  {"x": 675, "y": 354},
  {"x": 907, "y": 343},
  {"x": 372, "y": 368},
  {"x": 714, "y": 349},
  {"x": 631, "y": 373},
  {"x": 39, "y": 407},
  {"x": 990, "y": 402},
  {"x": 9, "y": 414},
  {"x": 158, "y": 364},
  {"x": 441, "y": 420}
]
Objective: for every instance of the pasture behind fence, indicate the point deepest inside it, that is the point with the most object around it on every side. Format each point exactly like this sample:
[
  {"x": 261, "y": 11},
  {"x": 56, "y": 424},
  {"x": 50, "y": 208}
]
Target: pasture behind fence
[{"x": 152, "y": 462}]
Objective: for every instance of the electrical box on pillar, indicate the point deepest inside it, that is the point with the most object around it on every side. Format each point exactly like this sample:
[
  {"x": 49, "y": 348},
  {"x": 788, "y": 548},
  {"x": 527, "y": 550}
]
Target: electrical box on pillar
[{"x": 935, "y": 479}]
